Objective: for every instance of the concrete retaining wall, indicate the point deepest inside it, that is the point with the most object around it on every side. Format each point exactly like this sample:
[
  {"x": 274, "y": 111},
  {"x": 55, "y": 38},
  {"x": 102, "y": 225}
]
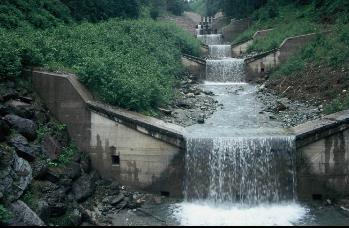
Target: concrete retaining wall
[
  {"x": 138, "y": 151},
  {"x": 323, "y": 157},
  {"x": 259, "y": 66}
]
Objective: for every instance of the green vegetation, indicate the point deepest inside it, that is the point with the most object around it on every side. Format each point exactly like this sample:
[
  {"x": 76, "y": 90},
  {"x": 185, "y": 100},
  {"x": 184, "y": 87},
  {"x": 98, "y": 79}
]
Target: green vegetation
[
  {"x": 5, "y": 215},
  {"x": 129, "y": 63},
  {"x": 65, "y": 158},
  {"x": 291, "y": 20},
  {"x": 43, "y": 14}
]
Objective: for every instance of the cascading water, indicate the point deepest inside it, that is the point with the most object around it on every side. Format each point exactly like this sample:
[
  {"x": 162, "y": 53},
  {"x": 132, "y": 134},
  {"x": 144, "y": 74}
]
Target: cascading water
[
  {"x": 225, "y": 70},
  {"x": 240, "y": 165},
  {"x": 220, "y": 51},
  {"x": 212, "y": 39}
]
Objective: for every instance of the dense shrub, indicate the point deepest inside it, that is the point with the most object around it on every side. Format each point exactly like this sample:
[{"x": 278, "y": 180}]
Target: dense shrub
[
  {"x": 130, "y": 63},
  {"x": 39, "y": 13},
  {"x": 96, "y": 10}
]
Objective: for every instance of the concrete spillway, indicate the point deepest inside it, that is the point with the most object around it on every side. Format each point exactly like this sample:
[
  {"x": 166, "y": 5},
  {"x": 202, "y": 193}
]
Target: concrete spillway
[
  {"x": 220, "y": 51},
  {"x": 239, "y": 164},
  {"x": 213, "y": 39}
]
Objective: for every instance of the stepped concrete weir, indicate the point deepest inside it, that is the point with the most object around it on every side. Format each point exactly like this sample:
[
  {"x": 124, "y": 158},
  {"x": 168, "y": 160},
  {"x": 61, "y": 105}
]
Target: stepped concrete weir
[
  {"x": 220, "y": 51},
  {"x": 219, "y": 166}
]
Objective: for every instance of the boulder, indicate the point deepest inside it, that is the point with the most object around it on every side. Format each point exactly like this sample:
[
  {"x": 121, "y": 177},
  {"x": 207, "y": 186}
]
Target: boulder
[
  {"x": 83, "y": 188},
  {"x": 51, "y": 147},
  {"x": 4, "y": 130},
  {"x": 21, "y": 109},
  {"x": 22, "y": 147},
  {"x": 8, "y": 94},
  {"x": 40, "y": 170},
  {"x": 25, "y": 127},
  {"x": 15, "y": 174},
  {"x": 71, "y": 171},
  {"x": 24, "y": 215},
  {"x": 43, "y": 210}
]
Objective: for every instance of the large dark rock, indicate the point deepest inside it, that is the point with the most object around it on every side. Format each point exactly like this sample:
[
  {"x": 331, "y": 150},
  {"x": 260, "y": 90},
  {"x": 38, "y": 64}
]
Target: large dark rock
[
  {"x": 8, "y": 94},
  {"x": 21, "y": 109},
  {"x": 40, "y": 169},
  {"x": 51, "y": 147},
  {"x": 15, "y": 174},
  {"x": 43, "y": 210},
  {"x": 22, "y": 147},
  {"x": 54, "y": 195},
  {"x": 4, "y": 130},
  {"x": 4, "y": 110},
  {"x": 84, "y": 187},
  {"x": 25, "y": 127},
  {"x": 24, "y": 215},
  {"x": 71, "y": 171}
]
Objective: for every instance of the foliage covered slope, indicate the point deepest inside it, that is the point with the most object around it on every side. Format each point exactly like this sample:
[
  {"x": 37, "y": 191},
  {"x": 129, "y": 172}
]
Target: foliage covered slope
[{"x": 130, "y": 63}]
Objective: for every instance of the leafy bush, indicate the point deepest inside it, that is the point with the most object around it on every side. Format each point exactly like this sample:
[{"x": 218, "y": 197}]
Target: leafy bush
[
  {"x": 130, "y": 63},
  {"x": 10, "y": 61}
]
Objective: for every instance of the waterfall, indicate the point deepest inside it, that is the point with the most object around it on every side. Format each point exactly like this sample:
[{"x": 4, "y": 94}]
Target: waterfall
[
  {"x": 225, "y": 70},
  {"x": 220, "y": 51},
  {"x": 244, "y": 170},
  {"x": 213, "y": 39}
]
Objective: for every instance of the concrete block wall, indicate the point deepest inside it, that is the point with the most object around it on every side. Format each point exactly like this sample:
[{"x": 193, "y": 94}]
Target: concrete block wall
[{"x": 138, "y": 151}]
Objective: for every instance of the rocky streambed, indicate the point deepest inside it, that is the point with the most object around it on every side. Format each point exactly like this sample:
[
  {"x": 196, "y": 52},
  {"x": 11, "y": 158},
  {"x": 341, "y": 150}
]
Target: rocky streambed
[{"x": 194, "y": 105}]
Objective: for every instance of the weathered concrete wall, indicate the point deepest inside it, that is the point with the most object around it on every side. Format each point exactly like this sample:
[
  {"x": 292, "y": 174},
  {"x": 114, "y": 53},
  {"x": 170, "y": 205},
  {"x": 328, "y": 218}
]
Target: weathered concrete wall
[
  {"x": 241, "y": 47},
  {"x": 323, "y": 157},
  {"x": 293, "y": 44},
  {"x": 195, "y": 68},
  {"x": 231, "y": 31},
  {"x": 150, "y": 152},
  {"x": 67, "y": 102},
  {"x": 144, "y": 160},
  {"x": 259, "y": 66}
]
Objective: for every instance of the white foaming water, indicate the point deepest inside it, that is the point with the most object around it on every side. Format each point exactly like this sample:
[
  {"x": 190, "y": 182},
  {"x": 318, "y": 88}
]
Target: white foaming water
[
  {"x": 204, "y": 214},
  {"x": 225, "y": 70},
  {"x": 220, "y": 51},
  {"x": 213, "y": 39}
]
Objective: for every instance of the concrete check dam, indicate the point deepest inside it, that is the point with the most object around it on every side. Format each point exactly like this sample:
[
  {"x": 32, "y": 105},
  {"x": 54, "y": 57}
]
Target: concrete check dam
[{"x": 238, "y": 168}]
